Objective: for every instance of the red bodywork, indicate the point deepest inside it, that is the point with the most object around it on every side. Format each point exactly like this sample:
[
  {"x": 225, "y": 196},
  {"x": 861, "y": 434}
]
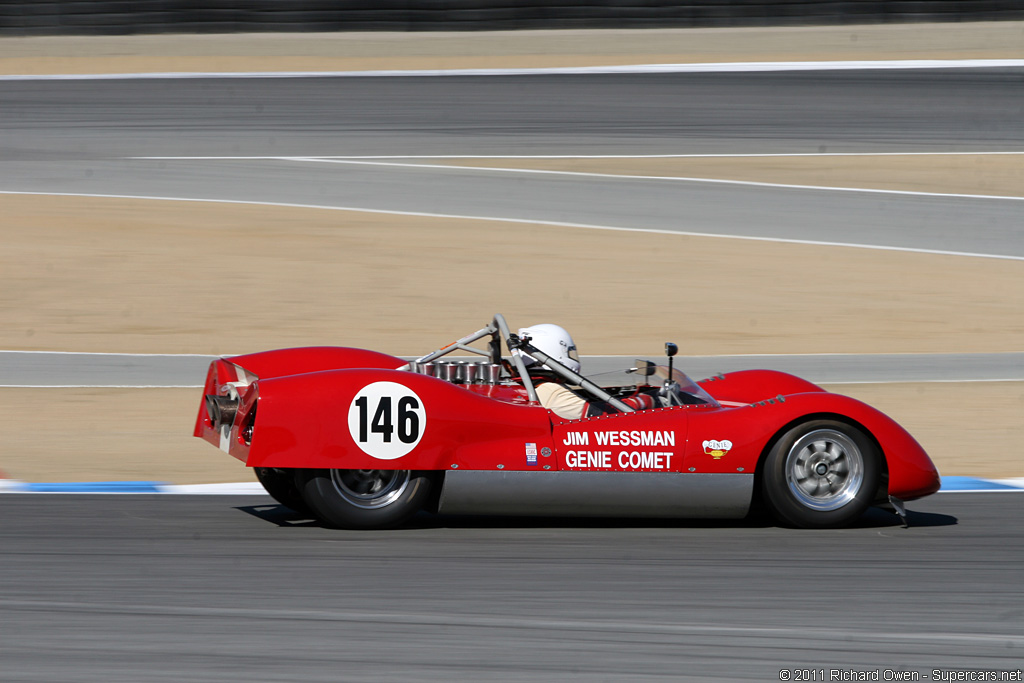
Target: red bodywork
[{"x": 306, "y": 399}]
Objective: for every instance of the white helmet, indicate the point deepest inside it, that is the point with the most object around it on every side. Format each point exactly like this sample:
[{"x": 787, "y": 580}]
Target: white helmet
[{"x": 555, "y": 342}]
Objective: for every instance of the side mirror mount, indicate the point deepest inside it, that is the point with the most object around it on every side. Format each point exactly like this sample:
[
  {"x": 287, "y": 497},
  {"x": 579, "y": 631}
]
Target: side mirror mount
[
  {"x": 669, "y": 389},
  {"x": 670, "y": 351}
]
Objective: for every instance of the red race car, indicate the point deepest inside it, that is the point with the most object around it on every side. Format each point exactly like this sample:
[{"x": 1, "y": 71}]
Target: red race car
[{"x": 364, "y": 440}]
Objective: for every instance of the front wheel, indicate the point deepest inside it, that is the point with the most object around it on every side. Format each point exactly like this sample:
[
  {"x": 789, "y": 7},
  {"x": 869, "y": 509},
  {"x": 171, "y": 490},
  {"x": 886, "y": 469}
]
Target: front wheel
[
  {"x": 821, "y": 474},
  {"x": 365, "y": 499}
]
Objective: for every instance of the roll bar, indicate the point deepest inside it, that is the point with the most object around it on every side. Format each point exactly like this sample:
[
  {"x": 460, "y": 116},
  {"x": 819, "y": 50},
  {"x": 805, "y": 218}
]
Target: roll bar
[
  {"x": 517, "y": 357},
  {"x": 498, "y": 331}
]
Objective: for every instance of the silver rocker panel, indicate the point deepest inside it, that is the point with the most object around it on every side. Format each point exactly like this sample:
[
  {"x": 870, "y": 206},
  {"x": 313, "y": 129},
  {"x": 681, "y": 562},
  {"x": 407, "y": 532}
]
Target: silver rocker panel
[{"x": 597, "y": 494}]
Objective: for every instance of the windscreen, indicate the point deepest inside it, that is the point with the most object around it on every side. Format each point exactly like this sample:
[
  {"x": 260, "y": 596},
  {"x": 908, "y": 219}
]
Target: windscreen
[{"x": 683, "y": 383}]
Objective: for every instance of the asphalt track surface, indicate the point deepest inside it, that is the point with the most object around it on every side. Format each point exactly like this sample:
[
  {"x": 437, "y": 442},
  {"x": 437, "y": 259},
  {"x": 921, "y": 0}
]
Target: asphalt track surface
[
  {"x": 83, "y": 137},
  {"x": 212, "y": 588},
  {"x": 129, "y": 588},
  {"x": 935, "y": 110}
]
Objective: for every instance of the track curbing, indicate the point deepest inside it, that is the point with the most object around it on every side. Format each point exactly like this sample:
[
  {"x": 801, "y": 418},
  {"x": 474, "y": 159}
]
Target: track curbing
[{"x": 950, "y": 484}]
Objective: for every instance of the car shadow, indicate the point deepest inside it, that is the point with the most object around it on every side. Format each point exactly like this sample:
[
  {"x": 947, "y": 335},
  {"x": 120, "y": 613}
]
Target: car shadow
[
  {"x": 877, "y": 517},
  {"x": 428, "y": 521},
  {"x": 280, "y": 515},
  {"x": 873, "y": 518}
]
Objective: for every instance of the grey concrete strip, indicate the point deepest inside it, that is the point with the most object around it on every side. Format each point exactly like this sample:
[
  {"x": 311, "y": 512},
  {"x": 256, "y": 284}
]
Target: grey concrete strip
[
  {"x": 834, "y": 368},
  {"x": 211, "y": 588},
  {"x": 934, "y": 223},
  {"x": 41, "y": 369},
  {"x": 849, "y": 368}
]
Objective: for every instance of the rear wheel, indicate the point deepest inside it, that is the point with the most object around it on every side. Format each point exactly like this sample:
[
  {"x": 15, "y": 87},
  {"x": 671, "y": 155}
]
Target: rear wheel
[
  {"x": 365, "y": 499},
  {"x": 821, "y": 474},
  {"x": 280, "y": 484}
]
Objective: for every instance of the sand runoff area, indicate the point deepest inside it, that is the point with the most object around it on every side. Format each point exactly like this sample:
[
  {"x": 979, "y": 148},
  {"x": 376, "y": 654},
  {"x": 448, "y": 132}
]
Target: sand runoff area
[
  {"x": 506, "y": 49},
  {"x": 90, "y": 274}
]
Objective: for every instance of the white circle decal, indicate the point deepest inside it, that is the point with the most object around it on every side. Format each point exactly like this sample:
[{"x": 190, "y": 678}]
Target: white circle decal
[{"x": 386, "y": 420}]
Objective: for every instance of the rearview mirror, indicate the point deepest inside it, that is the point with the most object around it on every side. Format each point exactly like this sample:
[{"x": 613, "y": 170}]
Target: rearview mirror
[
  {"x": 644, "y": 368},
  {"x": 671, "y": 349}
]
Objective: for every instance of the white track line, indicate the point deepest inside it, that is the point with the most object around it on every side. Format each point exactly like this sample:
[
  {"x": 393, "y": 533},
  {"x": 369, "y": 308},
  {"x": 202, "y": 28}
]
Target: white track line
[
  {"x": 367, "y": 161},
  {"x": 247, "y": 488},
  {"x": 579, "y": 156},
  {"x": 621, "y": 176},
  {"x": 523, "y": 221},
  {"x": 711, "y": 67}
]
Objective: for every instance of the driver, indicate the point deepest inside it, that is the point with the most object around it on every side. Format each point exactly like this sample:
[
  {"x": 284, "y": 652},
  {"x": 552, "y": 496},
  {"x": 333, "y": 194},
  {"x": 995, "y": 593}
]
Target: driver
[{"x": 556, "y": 342}]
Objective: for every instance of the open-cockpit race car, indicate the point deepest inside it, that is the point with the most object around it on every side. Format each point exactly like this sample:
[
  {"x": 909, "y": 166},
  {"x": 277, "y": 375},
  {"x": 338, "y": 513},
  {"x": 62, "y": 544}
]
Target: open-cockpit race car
[{"x": 363, "y": 440}]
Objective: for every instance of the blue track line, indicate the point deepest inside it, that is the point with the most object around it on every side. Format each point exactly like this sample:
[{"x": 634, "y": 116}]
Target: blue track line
[
  {"x": 86, "y": 487},
  {"x": 953, "y": 483}
]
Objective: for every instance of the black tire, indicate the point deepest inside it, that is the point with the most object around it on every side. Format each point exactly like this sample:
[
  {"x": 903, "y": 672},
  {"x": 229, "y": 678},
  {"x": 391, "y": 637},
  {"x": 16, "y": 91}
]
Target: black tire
[
  {"x": 821, "y": 474},
  {"x": 365, "y": 499},
  {"x": 280, "y": 484}
]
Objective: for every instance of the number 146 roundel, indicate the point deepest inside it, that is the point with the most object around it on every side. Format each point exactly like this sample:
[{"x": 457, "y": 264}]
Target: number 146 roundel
[
  {"x": 360, "y": 439},
  {"x": 386, "y": 420}
]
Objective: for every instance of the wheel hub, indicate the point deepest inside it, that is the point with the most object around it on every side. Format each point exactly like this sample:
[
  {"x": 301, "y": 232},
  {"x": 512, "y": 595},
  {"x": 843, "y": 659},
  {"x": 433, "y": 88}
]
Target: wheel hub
[
  {"x": 824, "y": 469},
  {"x": 370, "y": 489}
]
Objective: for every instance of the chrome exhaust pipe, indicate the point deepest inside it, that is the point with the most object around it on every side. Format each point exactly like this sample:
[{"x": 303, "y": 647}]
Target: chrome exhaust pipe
[{"x": 221, "y": 410}]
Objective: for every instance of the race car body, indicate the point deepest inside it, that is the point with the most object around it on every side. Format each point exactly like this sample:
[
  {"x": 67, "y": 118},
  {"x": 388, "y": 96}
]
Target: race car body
[{"x": 364, "y": 440}]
